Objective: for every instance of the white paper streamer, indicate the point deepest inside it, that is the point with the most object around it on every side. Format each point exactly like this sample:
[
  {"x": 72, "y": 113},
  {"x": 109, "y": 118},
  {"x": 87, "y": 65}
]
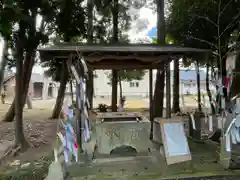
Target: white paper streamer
[
  {"x": 75, "y": 74},
  {"x": 84, "y": 66},
  {"x": 228, "y": 143},
  {"x": 210, "y": 123},
  {"x": 223, "y": 103},
  {"x": 86, "y": 132},
  {"x": 233, "y": 136},
  {"x": 193, "y": 121},
  {"x": 206, "y": 118},
  {"x": 55, "y": 154},
  {"x": 86, "y": 112},
  {"x": 229, "y": 127},
  {"x": 70, "y": 113}
]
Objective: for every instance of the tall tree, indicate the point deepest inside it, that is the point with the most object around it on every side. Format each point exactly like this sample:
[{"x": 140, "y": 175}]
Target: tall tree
[
  {"x": 70, "y": 21},
  {"x": 99, "y": 33},
  {"x": 19, "y": 135},
  {"x": 90, "y": 5},
  {"x": 115, "y": 40},
  {"x": 176, "y": 89},
  {"x": 219, "y": 18},
  {"x": 160, "y": 76},
  {"x": 33, "y": 36},
  {"x": 3, "y": 62},
  {"x": 58, "y": 71},
  {"x": 175, "y": 100},
  {"x": 20, "y": 18}
]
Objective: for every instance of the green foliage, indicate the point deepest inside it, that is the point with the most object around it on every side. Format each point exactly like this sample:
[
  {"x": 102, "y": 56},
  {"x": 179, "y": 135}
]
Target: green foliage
[
  {"x": 102, "y": 29},
  {"x": 194, "y": 23},
  {"x": 54, "y": 69},
  {"x": 169, "y": 39},
  {"x": 70, "y": 19},
  {"x": 71, "y": 27},
  {"x": 14, "y": 12}
]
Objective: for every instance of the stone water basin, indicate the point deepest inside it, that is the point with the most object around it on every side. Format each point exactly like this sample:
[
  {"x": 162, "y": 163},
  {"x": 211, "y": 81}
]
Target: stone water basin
[{"x": 115, "y": 130}]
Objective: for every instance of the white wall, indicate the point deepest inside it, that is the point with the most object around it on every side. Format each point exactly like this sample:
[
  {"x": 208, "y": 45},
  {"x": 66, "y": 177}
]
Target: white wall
[{"x": 102, "y": 88}]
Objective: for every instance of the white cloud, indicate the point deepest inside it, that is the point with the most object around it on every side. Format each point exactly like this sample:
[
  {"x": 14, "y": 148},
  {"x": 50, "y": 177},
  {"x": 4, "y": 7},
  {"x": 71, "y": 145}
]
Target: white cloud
[{"x": 144, "y": 14}]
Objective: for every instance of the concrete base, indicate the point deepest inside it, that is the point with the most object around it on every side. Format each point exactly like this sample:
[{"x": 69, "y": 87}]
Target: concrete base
[{"x": 110, "y": 135}]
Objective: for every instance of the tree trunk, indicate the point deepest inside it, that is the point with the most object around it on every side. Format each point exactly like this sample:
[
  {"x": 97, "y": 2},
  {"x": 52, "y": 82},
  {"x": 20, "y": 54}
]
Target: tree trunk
[
  {"x": 29, "y": 101},
  {"x": 71, "y": 91},
  {"x": 120, "y": 90},
  {"x": 176, "y": 107},
  {"x": 27, "y": 72},
  {"x": 114, "y": 90},
  {"x": 121, "y": 101},
  {"x": 115, "y": 40},
  {"x": 198, "y": 87},
  {"x": 3, "y": 62},
  {"x": 90, "y": 87},
  {"x": 27, "y": 67},
  {"x": 90, "y": 41},
  {"x": 159, "y": 94},
  {"x": 160, "y": 77},
  {"x": 208, "y": 89},
  {"x": 19, "y": 135},
  {"x": 61, "y": 92}
]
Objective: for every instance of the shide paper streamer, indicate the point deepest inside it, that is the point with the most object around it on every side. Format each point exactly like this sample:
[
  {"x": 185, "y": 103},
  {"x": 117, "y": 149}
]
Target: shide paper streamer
[{"x": 68, "y": 138}]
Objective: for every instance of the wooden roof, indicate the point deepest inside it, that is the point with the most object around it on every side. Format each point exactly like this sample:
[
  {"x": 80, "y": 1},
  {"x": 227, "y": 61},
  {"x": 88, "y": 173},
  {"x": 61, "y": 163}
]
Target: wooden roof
[{"x": 118, "y": 56}]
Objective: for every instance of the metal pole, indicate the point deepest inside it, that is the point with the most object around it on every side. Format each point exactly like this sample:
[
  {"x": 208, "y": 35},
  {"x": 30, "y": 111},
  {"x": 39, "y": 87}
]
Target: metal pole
[{"x": 151, "y": 103}]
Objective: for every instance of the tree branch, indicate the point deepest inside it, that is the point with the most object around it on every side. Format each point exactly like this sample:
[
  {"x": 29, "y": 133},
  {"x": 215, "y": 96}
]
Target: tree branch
[
  {"x": 201, "y": 40},
  {"x": 230, "y": 49},
  {"x": 207, "y": 19},
  {"x": 230, "y": 24},
  {"x": 221, "y": 12}
]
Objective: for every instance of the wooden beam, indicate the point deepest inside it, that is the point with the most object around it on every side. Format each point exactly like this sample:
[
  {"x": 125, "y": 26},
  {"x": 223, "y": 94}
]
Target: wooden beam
[
  {"x": 122, "y": 66},
  {"x": 122, "y": 58}
]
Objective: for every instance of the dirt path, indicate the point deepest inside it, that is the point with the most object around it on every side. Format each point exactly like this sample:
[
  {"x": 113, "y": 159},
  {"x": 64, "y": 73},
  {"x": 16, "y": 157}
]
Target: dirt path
[{"x": 38, "y": 129}]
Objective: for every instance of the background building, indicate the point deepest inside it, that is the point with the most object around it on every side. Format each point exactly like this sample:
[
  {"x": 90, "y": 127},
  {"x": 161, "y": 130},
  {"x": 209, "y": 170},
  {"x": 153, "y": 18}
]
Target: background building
[
  {"x": 40, "y": 87},
  {"x": 188, "y": 84}
]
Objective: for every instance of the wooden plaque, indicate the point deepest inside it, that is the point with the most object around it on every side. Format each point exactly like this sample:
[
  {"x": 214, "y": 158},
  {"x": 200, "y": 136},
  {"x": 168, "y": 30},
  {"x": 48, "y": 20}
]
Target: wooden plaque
[{"x": 175, "y": 142}]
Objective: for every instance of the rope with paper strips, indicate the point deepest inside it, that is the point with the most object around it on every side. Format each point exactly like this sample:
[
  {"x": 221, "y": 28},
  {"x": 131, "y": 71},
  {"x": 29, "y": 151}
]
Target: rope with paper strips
[
  {"x": 203, "y": 104},
  {"x": 69, "y": 142},
  {"x": 232, "y": 132},
  {"x": 82, "y": 99},
  {"x": 68, "y": 138}
]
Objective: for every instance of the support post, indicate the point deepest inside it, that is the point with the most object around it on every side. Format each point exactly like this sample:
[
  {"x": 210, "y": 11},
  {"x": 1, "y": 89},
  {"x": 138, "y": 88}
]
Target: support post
[
  {"x": 198, "y": 115},
  {"x": 79, "y": 129},
  {"x": 198, "y": 87},
  {"x": 168, "y": 91},
  {"x": 151, "y": 103}
]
